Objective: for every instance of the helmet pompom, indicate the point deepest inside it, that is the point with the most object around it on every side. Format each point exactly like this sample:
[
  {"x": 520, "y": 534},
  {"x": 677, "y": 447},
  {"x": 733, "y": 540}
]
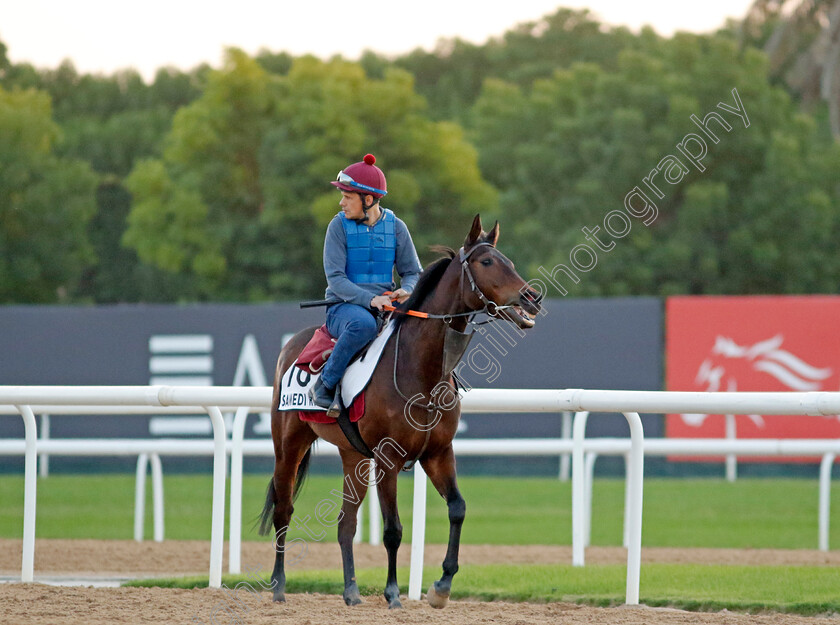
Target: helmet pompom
[{"x": 369, "y": 159}]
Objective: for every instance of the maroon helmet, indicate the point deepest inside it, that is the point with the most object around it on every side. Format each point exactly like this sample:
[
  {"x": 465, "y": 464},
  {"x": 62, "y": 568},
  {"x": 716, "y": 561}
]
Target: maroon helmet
[{"x": 362, "y": 177}]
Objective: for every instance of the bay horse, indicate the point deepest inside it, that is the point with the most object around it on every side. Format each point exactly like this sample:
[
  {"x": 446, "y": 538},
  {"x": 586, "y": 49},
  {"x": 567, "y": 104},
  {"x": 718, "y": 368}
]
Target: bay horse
[{"x": 477, "y": 278}]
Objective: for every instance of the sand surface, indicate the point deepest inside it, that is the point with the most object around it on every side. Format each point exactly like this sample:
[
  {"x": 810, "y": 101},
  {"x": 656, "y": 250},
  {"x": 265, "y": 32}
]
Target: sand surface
[{"x": 92, "y": 559}]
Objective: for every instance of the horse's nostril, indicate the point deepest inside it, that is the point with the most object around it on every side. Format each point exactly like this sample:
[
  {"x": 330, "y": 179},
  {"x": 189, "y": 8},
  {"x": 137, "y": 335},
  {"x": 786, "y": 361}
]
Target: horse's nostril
[{"x": 532, "y": 296}]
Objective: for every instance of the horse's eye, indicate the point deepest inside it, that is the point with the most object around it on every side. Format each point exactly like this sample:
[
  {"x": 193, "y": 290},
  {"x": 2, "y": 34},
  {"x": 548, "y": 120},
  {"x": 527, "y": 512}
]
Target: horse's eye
[{"x": 487, "y": 262}]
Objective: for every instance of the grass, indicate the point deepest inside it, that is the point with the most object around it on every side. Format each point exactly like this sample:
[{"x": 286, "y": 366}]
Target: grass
[{"x": 750, "y": 513}]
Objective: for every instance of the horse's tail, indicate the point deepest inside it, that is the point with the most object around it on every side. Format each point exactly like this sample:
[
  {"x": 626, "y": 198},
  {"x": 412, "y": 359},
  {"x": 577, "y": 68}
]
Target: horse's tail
[{"x": 267, "y": 514}]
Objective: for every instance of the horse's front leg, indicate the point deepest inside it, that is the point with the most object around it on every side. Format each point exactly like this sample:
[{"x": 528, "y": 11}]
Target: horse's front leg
[
  {"x": 441, "y": 471},
  {"x": 353, "y": 494},
  {"x": 392, "y": 532}
]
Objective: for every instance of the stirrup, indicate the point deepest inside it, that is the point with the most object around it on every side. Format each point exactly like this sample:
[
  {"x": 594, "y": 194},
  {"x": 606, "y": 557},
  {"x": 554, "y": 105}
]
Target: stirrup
[{"x": 335, "y": 408}]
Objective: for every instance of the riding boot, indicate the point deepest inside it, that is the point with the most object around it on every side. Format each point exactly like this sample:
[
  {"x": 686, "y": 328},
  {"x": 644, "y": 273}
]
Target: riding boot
[
  {"x": 335, "y": 407},
  {"x": 322, "y": 396}
]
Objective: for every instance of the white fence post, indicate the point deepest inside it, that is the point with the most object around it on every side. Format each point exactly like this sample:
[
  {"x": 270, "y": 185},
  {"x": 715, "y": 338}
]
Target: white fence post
[
  {"x": 44, "y": 459},
  {"x": 731, "y": 459},
  {"x": 237, "y": 435},
  {"x": 27, "y": 568},
  {"x": 143, "y": 460},
  {"x": 825, "y": 500},
  {"x": 578, "y": 490},
  {"x": 565, "y": 434},
  {"x": 157, "y": 496},
  {"x": 418, "y": 534},
  {"x": 360, "y": 520},
  {"x": 375, "y": 514},
  {"x": 635, "y": 483},
  {"x": 589, "y": 464},
  {"x": 217, "y": 531},
  {"x": 140, "y": 496}
]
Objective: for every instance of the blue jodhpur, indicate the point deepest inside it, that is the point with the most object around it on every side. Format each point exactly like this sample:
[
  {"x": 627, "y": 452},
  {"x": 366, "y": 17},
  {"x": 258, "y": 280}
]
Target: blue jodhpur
[{"x": 354, "y": 327}]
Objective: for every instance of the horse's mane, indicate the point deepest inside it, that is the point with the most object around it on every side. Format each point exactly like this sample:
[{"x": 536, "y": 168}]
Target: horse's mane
[{"x": 428, "y": 281}]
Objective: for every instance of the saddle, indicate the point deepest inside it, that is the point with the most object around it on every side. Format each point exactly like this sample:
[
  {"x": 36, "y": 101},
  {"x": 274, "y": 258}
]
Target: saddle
[
  {"x": 311, "y": 360},
  {"x": 317, "y": 350},
  {"x": 302, "y": 374}
]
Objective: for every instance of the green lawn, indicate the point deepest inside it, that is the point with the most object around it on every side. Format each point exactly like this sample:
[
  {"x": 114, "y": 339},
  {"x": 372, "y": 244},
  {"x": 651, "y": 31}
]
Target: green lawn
[{"x": 761, "y": 513}]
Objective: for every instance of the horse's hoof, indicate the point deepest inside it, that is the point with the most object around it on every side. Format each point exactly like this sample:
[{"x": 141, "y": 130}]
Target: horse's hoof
[
  {"x": 280, "y": 598},
  {"x": 352, "y": 599},
  {"x": 392, "y": 605},
  {"x": 437, "y": 600}
]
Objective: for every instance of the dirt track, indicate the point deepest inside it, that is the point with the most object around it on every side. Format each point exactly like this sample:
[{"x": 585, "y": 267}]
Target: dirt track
[{"x": 40, "y": 604}]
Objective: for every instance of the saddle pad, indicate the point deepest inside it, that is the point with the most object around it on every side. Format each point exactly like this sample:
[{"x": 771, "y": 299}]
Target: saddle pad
[
  {"x": 358, "y": 374},
  {"x": 295, "y": 383},
  {"x": 317, "y": 350},
  {"x": 294, "y": 395}
]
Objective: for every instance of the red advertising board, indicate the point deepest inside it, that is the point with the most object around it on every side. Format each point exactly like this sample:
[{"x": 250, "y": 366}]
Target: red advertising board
[{"x": 766, "y": 343}]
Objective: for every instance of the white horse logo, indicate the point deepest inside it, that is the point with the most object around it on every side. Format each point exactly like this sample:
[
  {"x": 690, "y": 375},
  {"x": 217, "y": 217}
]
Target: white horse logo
[{"x": 790, "y": 371}]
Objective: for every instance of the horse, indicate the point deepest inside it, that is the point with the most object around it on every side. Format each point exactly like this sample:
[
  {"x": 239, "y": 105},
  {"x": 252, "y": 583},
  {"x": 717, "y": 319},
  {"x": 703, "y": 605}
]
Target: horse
[{"x": 397, "y": 425}]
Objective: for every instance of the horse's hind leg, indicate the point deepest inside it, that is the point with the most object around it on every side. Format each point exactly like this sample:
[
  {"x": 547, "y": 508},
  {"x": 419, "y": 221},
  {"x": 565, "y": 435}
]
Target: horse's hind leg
[
  {"x": 290, "y": 465},
  {"x": 441, "y": 472},
  {"x": 392, "y": 534},
  {"x": 355, "y": 487}
]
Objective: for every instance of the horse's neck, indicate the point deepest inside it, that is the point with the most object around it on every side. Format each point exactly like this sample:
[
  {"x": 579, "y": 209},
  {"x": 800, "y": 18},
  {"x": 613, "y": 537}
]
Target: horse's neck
[
  {"x": 422, "y": 340},
  {"x": 447, "y": 298}
]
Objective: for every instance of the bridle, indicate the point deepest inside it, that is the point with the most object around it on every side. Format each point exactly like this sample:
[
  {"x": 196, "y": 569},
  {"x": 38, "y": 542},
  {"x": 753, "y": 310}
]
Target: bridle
[{"x": 491, "y": 309}]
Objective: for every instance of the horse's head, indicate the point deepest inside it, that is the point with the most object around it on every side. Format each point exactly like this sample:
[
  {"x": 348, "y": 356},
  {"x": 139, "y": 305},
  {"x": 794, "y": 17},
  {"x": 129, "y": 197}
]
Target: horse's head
[{"x": 491, "y": 281}]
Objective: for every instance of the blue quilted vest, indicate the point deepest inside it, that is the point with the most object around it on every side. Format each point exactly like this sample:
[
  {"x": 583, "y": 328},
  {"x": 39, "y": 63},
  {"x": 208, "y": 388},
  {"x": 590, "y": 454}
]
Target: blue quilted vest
[{"x": 371, "y": 250}]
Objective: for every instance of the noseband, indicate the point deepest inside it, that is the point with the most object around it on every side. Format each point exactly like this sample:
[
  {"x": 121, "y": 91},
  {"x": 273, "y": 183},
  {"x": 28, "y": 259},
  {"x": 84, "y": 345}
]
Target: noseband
[{"x": 490, "y": 307}]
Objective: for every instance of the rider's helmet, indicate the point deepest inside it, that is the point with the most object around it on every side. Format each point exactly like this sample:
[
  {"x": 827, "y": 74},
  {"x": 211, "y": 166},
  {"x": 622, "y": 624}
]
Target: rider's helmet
[{"x": 363, "y": 177}]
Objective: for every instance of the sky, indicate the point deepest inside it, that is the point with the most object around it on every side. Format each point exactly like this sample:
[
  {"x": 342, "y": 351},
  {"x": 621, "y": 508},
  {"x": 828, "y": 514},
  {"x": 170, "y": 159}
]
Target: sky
[{"x": 103, "y": 36}]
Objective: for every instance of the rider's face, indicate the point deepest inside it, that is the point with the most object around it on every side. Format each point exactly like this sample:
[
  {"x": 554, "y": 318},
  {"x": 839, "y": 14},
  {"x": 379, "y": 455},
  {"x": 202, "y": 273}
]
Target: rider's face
[{"x": 351, "y": 204}]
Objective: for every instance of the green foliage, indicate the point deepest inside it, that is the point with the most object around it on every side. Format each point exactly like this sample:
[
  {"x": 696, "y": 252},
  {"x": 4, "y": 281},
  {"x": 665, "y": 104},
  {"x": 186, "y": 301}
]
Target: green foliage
[
  {"x": 760, "y": 218},
  {"x": 240, "y": 198},
  {"x": 213, "y": 183},
  {"x": 111, "y": 122},
  {"x": 45, "y": 204},
  {"x": 451, "y": 76}
]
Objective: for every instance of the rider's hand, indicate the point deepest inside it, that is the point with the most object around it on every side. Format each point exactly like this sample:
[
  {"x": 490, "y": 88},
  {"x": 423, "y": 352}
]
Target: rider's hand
[
  {"x": 380, "y": 301},
  {"x": 400, "y": 295}
]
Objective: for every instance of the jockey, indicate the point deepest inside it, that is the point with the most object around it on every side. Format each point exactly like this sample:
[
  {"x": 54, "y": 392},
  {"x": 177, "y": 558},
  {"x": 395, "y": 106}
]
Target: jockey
[{"x": 364, "y": 243}]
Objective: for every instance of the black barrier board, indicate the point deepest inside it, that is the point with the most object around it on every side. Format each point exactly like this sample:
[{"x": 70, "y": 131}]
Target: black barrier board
[{"x": 591, "y": 343}]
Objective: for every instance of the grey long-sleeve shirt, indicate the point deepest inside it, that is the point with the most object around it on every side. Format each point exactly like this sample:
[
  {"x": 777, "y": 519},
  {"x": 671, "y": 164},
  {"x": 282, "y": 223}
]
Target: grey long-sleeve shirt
[{"x": 340, "y": 287}]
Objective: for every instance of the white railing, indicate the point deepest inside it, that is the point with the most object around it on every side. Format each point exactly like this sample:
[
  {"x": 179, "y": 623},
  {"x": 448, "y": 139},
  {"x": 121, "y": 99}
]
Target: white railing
[
  {"x": 210, "y": 399},
  {"x": 44, "y": 399}
]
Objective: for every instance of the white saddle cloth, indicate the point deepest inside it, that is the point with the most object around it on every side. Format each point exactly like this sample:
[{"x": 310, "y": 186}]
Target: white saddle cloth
[{"x": 295, "y": 384}]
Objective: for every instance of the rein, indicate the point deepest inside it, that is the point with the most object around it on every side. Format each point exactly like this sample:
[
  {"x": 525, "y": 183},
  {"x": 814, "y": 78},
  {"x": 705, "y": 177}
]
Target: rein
[{"x": 490, "y": 308}]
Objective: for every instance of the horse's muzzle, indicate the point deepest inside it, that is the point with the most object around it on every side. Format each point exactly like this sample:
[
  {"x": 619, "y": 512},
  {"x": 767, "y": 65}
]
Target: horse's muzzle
[{"x": 524, "y": 310}]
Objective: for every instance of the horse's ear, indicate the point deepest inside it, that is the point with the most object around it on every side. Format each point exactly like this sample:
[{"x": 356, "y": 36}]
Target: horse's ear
[
  {"x": 475, "y": 232},
  {"x": 493, "y": 235}
]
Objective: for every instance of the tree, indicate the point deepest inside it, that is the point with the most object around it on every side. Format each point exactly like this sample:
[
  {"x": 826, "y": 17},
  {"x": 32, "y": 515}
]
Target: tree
[
  {"x": 45, "y": 204},
  {"x": 452, "y": 75},
  {"x": 803, "y": 47},
  {"x": 760, "y": 217},
  {"x": 240, "y": 199}
]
